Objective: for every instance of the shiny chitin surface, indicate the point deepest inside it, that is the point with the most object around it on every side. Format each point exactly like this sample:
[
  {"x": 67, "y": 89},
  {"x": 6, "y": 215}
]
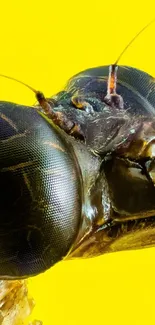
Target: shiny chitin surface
[
  {"x": 122, "y": 196},
  {"x": 40, "y": 201},
  {"x": 77, "y": 177}
]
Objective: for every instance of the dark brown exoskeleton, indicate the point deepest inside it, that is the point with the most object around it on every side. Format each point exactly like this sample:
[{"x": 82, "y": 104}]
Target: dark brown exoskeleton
[{"x": 77, "y": 173}]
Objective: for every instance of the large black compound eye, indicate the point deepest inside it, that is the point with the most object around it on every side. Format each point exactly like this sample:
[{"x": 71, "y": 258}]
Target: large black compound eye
[{"x": 41, "y": 193}]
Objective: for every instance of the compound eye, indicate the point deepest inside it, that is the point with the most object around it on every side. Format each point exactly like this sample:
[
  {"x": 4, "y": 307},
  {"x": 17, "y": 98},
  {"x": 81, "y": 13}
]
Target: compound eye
[{"x": 41, "y": 201}]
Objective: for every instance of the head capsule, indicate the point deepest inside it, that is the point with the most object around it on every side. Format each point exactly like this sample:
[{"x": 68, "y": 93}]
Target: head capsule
[{"x": 41, "y": 192}]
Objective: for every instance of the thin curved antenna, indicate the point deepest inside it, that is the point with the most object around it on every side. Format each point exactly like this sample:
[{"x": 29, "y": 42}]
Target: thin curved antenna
[
  {"x": 20, "y": 82},
  {"x": 112, "y": 80},
  {"x": 39, "y": 95},
  {"x": 133, "y": 39},
  {"x": 112, "y": 95}
]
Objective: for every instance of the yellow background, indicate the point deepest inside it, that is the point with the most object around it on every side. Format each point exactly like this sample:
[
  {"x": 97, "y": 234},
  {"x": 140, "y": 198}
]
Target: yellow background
[{"x": 44, "y": 43}]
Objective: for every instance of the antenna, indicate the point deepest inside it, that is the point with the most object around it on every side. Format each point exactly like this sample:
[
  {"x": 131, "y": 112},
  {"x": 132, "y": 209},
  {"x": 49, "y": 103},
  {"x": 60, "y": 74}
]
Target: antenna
[
  {"x": 133, "y": 39},
  {"x": 112, "y": 79},
  {"x": 112, "y": 98},
  {"x": 39, "y": 95},
  {"x": 21, "y": 82}
]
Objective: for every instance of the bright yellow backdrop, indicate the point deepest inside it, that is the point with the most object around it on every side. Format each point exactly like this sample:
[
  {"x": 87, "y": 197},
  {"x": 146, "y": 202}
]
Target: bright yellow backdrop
[{"x": 44, "y": 43}]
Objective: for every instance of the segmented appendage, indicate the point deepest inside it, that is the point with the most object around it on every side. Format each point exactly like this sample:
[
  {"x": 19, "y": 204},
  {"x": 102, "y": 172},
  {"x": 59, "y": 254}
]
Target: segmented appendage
[{"x": 15, "y": 303}]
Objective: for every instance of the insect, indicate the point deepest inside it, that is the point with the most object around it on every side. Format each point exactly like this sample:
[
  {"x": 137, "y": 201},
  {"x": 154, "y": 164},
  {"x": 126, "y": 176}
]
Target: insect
[{"x": 77, "y": 171}]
